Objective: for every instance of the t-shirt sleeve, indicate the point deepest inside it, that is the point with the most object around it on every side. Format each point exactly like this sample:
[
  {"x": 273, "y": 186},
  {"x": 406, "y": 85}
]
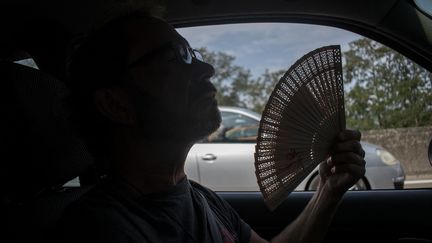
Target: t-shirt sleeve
[{"x": 226, "y": 212}]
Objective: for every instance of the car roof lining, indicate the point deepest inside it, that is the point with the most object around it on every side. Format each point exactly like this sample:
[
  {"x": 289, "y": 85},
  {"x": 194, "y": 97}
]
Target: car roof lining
[
  {"x": 368, "y": 10},
  {"x": 379, "y": 20}
]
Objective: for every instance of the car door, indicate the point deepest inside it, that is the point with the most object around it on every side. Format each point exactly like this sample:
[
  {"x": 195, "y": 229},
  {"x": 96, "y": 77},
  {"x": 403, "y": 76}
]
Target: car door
[{"x": 224, "y": 161}]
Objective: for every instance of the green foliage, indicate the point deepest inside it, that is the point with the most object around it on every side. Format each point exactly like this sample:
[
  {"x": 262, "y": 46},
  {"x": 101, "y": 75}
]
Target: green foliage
[
  {"x": 263, "y": 86},
  {"x": 387, "y": 89},
  {"x": 383, "y": 88},
  {"x": 235, "y": 84},
  {"x": 230, "y": 80}
]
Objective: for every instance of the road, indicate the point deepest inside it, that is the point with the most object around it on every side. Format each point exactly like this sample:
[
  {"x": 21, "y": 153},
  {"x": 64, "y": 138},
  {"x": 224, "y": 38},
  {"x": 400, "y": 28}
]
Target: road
[{"x": 418, "y": 183}]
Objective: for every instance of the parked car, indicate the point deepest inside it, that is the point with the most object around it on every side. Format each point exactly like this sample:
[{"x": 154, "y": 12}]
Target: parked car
[{"x": 224, "y": 161}]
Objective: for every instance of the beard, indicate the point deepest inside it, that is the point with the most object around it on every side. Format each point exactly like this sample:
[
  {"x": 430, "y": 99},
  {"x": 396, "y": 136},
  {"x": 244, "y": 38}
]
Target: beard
[
  {"x": 156, "y": 121},
  {"x": 203, "y": 120}
]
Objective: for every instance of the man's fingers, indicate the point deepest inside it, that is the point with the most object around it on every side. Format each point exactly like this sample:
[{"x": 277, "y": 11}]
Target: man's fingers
[
  {"x": 355, "y": 170},
  {"x": 349, "y": 146},
  {"x": 349, "y": 135},
  {"x": 325, "y": 168},
  {"x": 348, "y": 158}
]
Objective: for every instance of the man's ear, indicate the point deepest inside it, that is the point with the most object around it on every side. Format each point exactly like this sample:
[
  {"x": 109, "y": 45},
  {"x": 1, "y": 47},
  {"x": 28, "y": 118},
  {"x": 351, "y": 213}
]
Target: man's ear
[{"x": 114, "y": 103}]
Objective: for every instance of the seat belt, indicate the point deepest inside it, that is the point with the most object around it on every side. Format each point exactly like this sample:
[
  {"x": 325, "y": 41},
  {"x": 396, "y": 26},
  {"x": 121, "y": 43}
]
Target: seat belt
[{"x": 211, "y": 222}]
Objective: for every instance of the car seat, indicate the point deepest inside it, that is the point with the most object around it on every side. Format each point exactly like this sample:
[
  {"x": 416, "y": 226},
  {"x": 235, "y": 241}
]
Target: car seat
[{"x": 39, "y": 153}]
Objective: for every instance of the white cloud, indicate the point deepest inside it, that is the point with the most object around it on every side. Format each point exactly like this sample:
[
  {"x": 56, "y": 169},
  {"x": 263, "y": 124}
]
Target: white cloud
[{"x": 260, "y": 46}]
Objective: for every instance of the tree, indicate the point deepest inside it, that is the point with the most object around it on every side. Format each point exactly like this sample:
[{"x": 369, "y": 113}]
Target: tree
[
  {"x": 387, "y": 90},
  {"x": 235, "y": 84},
  {"x": 261, "y": 89},
  {"x": 230, "y": 80}
]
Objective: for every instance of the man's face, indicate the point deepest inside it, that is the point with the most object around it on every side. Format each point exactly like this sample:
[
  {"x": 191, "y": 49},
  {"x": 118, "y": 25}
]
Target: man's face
[{"x": 172, "y": 99}]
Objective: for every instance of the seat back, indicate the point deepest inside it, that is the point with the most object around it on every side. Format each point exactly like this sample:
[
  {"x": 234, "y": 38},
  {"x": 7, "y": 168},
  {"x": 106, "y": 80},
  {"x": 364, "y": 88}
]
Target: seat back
[{"x": 39, "y": 152}]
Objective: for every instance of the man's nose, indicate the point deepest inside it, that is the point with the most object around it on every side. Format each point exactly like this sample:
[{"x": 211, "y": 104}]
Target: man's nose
[{"x": 202, "y": 70}]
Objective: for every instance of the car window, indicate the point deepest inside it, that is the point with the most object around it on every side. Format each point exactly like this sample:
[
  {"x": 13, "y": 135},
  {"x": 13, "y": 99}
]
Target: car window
[
  {"x": 232, "y": 119},
  {"x": 425, "y": 6},
  {"x": 387, "y": 96},
  {"x": 235, "y": 127},
  {"x": 29, "y": 62}
]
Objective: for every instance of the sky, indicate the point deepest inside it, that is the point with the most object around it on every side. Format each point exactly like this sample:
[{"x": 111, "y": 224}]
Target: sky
[{"x": 260, "y": 46}]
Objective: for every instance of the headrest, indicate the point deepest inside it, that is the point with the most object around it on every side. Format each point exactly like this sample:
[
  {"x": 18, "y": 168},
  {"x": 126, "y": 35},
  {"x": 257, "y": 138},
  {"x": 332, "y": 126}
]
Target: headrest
[{"x": 39, "y": 150}]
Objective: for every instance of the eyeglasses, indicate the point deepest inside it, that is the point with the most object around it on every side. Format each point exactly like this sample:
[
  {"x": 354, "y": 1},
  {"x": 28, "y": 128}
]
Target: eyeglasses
[{"x": 182, "y": 52}]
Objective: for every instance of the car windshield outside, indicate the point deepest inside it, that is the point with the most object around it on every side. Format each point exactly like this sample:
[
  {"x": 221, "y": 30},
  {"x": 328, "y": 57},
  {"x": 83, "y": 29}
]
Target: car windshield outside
[{"x": 387, "y": 98}]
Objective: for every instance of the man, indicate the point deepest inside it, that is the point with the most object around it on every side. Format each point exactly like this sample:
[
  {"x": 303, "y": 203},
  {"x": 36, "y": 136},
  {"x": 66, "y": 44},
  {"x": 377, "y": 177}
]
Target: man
[{"x": 141, "y": 99}]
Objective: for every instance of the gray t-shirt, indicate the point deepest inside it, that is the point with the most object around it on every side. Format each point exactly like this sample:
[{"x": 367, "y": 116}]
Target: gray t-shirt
[{"x": 114, "y": 211}]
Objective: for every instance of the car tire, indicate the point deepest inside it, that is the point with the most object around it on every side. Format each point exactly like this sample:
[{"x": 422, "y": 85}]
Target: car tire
[{"x": 361, "y": 185}]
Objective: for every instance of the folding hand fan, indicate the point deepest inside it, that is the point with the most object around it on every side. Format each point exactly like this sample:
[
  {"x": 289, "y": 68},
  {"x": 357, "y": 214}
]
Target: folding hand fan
[{"x": 300, "y": 122}]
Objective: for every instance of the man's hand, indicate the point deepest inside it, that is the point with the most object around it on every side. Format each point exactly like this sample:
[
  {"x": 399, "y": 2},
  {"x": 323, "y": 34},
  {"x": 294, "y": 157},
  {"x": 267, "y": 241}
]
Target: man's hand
[
  {"x": 342, "y": 170},
  {"x": 345, "y": 166}
]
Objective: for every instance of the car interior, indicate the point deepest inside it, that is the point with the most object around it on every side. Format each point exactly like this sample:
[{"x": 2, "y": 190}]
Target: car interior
[{"x": 40, "y": 152}]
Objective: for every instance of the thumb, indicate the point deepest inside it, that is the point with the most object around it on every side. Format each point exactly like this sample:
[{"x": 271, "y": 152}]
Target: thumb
[{"x": 325, "y": 167}]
